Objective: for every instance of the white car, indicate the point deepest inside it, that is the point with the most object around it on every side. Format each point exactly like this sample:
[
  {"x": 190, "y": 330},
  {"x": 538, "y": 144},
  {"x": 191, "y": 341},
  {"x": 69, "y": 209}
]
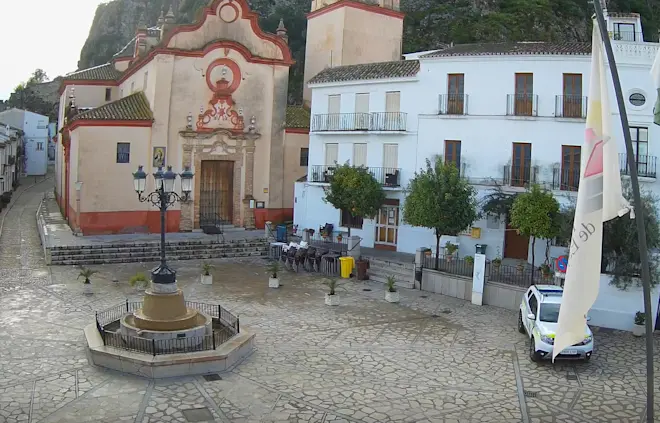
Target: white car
[{"x": 539, "y": 311}]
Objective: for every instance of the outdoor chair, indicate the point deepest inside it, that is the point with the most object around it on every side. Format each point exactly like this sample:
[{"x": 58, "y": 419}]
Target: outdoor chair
[{"x": 310, "y": 259}]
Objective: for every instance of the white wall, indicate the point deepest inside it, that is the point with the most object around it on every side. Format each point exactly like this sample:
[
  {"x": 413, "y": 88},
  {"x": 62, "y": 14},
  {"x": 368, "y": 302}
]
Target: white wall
[
  {"x": 616, "y": 309},
  {"x": 35, "y": 127}
]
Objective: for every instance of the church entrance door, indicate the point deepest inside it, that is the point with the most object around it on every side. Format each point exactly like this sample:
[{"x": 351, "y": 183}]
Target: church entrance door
[{"x": 216, "y": 205}]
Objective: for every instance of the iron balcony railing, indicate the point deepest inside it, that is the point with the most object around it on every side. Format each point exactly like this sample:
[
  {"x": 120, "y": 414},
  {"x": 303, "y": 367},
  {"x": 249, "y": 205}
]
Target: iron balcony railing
[
  {"x": 566, "y": 179},
  {"x": 522, "y": 104},
  {"x": 345, "y": 122},
  {"x": 386, "y": 176},
  {"x": 520, "y": 176},
  {"x": 571, "y": 106},
  {"x": 453, "y": 104},
  {"x": 626, "y": 35},
  {"x": 646, "y": 165}
]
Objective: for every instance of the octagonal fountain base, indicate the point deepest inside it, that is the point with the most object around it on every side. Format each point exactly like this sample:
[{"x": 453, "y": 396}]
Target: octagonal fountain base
[{"x": 224, "y": 357}]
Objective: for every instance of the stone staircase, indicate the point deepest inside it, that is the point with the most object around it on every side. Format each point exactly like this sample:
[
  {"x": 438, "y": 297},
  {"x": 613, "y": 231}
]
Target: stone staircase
[
  {"x": 380, "y": 269},
  {"x": 150, "y": 251}
]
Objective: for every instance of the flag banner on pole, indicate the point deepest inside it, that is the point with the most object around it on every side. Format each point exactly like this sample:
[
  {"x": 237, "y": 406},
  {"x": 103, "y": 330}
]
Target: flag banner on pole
[
  {"x": 599, "y": 199},
  {"x": 655, "y": 74}
]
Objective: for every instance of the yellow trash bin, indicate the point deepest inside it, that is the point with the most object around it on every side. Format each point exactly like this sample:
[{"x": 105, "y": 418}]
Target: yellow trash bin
[{"x": 346, "y": 266}]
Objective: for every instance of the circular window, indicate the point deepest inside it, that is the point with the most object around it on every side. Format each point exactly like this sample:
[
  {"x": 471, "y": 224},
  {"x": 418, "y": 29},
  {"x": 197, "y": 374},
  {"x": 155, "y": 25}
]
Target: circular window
[{"x": 637, "y": 99}]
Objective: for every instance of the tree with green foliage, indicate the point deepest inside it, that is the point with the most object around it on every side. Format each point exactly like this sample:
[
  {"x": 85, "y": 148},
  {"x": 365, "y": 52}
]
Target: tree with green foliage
[
  {"x": 356, "y": 191},
  {"x": 534, "y": 214},
  {"x": 439, "y": 199}
]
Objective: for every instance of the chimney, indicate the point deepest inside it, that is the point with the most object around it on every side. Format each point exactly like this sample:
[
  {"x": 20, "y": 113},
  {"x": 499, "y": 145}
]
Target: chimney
[
  {"x": 141, "y": 45},
  {"x": 168, "y": 23},
  {"x": 281, "y": 31}
]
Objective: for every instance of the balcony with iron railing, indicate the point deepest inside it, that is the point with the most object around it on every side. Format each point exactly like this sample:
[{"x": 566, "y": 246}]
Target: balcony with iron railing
[
  {"x": 522, "y": 104},
  {"x": 520, "y": 176},
  {"x": 453, "y": 104},
  {"x": 632, "y": 36},
  {"x": 388, "y": 177},
  {"x": 566, "y": 179},
  {"x": 571, "y": 106},
  {"x": 646, "y": 165},
  {"x": 351, "y": 122}
]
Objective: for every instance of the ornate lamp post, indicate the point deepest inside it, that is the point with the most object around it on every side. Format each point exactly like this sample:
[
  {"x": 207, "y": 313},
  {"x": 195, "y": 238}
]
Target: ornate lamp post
[{"x": 163, "y": 197}]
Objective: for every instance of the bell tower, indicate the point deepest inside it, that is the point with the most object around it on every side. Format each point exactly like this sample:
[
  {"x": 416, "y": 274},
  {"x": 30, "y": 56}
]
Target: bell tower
[{"x": 351, "y": 32}]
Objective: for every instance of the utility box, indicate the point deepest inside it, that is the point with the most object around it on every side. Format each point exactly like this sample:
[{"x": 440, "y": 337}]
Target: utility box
[
  {"x": 280, "y": 233},
  {"x": 480, "y": 248}
]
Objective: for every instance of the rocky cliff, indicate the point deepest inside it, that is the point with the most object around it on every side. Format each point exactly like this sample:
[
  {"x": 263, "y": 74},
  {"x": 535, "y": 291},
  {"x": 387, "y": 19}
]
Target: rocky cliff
[{"x": 428, "y": 23}]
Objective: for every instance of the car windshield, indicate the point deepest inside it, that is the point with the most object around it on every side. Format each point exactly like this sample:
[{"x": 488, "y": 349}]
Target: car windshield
[{"x": 549, "y": 312}]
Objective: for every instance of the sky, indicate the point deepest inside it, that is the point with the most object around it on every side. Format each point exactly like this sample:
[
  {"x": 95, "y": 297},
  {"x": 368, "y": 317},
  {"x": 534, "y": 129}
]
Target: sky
[{"x": 42, "y": 34}]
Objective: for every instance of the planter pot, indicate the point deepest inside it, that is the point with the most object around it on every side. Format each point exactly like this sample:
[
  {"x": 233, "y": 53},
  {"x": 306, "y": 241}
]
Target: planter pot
[
  {"x": 332, "y": 300},
  {"x": 273, "y": 282},
  {"x": 140, "y": 287},
  {"x": 207, "y": 279},
  {"x": 639, "y": 330},
  {"x": 87, "y": 289},
  {"x": 392, "y": 297}
]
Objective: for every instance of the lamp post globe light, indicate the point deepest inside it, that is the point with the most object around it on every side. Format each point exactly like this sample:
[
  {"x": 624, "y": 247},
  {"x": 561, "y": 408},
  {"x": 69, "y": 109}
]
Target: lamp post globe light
[{"x": 163, "y": 197}]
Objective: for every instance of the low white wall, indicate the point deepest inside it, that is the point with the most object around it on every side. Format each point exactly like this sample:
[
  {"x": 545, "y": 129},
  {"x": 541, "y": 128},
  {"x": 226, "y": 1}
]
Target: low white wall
[{"x": 615, "y": 309}]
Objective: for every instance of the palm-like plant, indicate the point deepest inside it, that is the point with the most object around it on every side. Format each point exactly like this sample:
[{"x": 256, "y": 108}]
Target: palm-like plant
[
  {"x": 332, "y": 284},
  {"x": 206, "y": 268},
  {"x": 390, "y": 283},
  {"x": 86, "y": 274},
  {"x": 273, "y": 268}
]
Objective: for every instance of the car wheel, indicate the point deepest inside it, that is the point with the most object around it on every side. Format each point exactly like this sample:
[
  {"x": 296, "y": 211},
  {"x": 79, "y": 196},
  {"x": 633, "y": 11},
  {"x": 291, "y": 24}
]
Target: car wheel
[
  {"x": 533, "y": 355},
  {"x": 521, "y": 326},
  {"x": 587, "y": 358}
]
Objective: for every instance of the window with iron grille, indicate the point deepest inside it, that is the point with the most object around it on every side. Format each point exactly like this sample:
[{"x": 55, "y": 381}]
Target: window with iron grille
[
  {"x": 123, "y": 152},
  {"x": 304, "y": 156},
  {"x": 350, "y": 221}
]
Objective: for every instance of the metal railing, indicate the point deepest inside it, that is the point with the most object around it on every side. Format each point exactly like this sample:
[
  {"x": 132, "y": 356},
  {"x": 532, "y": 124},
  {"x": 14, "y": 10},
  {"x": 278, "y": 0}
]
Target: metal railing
[
  {"x": 346, "y": 122},
  {"x": 518, "y": 176},
  {"x": 453, "y": 104},
  {"x": 514, "y": 275},
  {"x": 230, "y": 326},
  {"x": 646, "y": 165},
  {"x": 386, "y": 176},
  {"x": 448, "y": 264},
  {"x": 627, "y": 36},
  {"x": 522, "y": 104},
  {"x": 565, "y": 179},
  {"x": 571, "y": 106}
]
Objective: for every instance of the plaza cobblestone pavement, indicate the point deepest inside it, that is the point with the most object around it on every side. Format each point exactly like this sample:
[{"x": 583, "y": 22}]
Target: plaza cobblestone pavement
[{"x": 428, "y": 359}]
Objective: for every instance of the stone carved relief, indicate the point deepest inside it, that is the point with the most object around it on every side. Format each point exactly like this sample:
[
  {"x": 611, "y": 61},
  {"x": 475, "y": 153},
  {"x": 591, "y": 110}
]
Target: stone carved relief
[{"x": 223, "y": 77}]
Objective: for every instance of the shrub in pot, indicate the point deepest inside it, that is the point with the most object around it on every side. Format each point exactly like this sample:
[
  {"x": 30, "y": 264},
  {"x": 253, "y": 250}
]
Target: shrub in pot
[
  {"x": 520, "y": 266},
  {"x": 545, "y": 270},
  {"x": 273, "y": 268},
  {"x": 497, "y": 262},
  {"x": 85, "y": 274},
  {"x": 139, "y": 281},
  {"x": 391, "y": 295},
  {"x": 207, "y": 277},
  {"x": 331, "y": 298},
  {"x": 469, "y": 260},
  {"x": 450, "y": 249},
  {"x": 639, "y": 329}
]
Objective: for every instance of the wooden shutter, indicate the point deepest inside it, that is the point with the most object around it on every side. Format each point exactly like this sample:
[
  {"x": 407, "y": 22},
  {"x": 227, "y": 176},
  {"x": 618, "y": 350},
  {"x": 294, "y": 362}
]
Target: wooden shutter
[
  {"x": 331, "y": 154},
  {"x": 362, "y": 103},
  {"x": 334, "y": 104},
  {"x": 393, "y": 101},
  {"x": 391, "y": 156},
  {"x": 360, "y": 154}
]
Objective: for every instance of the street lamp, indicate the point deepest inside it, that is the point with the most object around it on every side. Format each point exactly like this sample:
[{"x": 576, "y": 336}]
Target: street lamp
[{"x": 163, "y": 197}]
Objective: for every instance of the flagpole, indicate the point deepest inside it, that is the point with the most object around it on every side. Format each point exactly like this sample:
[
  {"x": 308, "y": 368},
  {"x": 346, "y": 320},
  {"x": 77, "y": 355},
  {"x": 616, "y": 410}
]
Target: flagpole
[{"x": 637, "y": 202}]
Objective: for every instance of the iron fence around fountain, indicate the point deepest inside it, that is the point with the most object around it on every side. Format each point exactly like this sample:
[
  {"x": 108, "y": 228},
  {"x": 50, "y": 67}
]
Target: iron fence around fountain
[{"x": 230, "y": 326}]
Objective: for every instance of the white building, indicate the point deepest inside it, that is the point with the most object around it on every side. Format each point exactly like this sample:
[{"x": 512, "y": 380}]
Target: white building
[
  {"x": 35, "y": 128},
  {"x": 507, "y": 114},
  {"x": 10, "y": 138}
]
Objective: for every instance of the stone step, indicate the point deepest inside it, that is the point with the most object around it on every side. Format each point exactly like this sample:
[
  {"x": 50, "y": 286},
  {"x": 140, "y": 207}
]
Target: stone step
[
  {"x": 402, "y": 283},
  {"x": 379, "y": 262},
  {"x": 174, "y": 244},
  {"x": 404, "y": 274},
  {"x": 155, "y": 247},
  {"x": 156, "y": 253},
  {"x": 154, "y": 258}
]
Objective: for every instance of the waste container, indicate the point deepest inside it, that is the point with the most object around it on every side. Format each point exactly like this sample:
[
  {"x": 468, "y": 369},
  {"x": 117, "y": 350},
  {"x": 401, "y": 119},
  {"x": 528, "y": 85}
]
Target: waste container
[
  {"x": 362, "y": 266},
  {"x": 481, "y": 248},
  {"x": 280, "y": 233},
  {"x": 346, "y": 266}
]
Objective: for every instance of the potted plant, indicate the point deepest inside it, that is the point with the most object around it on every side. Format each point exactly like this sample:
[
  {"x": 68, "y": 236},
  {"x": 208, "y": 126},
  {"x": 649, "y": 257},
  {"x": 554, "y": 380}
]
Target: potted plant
[
  {"x": 545, "y": 270},
  {"x": 207, "y": 277},
  {"x": 139, "y": 281},
  {"x": 639, "y": 329},
  {"x": 469, "y": 260},
  {"x": 87, "y": 284},
  {"x": 450, "y": 249},
  {"x": 428, "y": 252},
  {"x": 520, "y": 266},
  {"x": 339, "y": 237},
  {"x": 331, "y": 298},
  {"x": 496, "y": 262},
  {"x": 391, "y": 295},
  {"x": 273, "y": 267}
]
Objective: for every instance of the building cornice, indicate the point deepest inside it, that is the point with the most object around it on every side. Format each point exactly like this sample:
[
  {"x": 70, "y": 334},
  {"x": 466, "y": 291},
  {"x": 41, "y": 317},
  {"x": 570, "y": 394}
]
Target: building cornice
[
  {"x": 357, "y": 5},
  {"x": 363, "y": 82},
  {"x": 111, "y": 123}
]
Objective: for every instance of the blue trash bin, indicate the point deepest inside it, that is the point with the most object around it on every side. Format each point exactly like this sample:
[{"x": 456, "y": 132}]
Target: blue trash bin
[{"x": 280, "y": 233}]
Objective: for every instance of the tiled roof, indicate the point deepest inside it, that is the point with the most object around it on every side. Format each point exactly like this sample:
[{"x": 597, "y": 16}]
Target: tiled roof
[
  {"x": 622, "y": 15},
  {"x": 132, "y": 107},
  {"x": 527, "y": 47},
  {"x": 105, "y": 72},
  {"x": 382, "y": 70},
  {"x": 297, "y": 117}
]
